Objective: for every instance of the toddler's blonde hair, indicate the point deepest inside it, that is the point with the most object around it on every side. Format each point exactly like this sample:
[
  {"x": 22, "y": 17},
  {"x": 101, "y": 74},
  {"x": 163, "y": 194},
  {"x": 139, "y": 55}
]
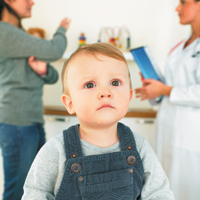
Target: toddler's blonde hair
[{"x": 94, "y": 49}]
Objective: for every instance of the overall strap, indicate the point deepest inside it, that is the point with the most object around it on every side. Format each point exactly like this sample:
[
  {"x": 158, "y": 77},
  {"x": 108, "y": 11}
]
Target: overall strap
[
  {"x": 127, "y": 143},
  {"x": 126, "y": 138},
  {"x": 72, "y": 142}
]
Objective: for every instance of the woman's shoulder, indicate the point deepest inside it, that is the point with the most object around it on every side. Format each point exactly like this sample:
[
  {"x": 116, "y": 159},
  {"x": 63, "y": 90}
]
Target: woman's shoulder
[
  {"x": 7, "y": 30},
  {"x": 7, "y": 26},
  {"x": 175, "y": 46}
]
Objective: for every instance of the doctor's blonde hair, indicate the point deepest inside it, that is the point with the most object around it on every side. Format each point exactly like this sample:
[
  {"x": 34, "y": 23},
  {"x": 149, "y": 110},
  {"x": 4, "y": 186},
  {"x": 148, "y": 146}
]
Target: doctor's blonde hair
[{"x": 93, "y": 49}]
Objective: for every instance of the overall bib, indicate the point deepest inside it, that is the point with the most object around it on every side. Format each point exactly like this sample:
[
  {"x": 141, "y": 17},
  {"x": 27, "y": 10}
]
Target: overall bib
[{"x": 113, "y": 176}]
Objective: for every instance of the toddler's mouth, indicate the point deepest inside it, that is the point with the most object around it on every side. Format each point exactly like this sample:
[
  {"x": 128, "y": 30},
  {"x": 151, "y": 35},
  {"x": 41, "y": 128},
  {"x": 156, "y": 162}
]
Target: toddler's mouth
[{"x": 105, "y": 106}]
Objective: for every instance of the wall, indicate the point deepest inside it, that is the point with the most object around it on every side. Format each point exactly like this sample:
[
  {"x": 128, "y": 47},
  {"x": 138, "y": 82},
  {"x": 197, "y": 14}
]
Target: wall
[{"x": 150, "y": 22}]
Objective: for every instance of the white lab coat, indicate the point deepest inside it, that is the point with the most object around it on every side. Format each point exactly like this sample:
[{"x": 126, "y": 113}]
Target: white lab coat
[{"x": 177, "y": 135}]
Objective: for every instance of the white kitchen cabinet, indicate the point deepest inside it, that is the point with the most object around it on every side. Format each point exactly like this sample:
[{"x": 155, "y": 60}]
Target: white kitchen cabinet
[
  {"x": 55, "y": 124},
  {"x": 142, "y": 126}
]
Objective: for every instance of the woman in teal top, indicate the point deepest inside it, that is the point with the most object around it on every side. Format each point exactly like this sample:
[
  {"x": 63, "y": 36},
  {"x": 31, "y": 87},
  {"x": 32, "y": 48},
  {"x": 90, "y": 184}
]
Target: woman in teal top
[{"x": 24, "y": 69}]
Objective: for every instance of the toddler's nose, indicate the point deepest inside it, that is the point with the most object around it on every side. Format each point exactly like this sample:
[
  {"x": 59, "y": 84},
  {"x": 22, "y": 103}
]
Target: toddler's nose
[{"x": 105, "y": 94}]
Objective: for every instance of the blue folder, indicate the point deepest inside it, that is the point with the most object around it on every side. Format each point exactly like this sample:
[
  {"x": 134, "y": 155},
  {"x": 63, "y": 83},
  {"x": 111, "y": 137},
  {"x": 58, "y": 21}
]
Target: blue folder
[
  {"x": 148, "y": 67},
  {"x": 145, "y": 61}
]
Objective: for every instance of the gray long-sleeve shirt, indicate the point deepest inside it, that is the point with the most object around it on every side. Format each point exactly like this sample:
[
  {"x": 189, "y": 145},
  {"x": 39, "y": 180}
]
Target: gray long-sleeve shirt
[
  {"x": 45, "y": 175},
  {"x": 20, "y": 86}
]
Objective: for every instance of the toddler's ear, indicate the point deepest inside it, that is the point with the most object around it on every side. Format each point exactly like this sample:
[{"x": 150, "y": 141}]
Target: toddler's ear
[
  {"x": 131, "y": 94},
  {"x": 67, "y": 101}
]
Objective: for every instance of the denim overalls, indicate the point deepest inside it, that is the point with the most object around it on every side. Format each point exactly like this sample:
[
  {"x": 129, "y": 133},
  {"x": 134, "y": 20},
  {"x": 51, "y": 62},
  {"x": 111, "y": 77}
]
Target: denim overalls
[{"x": 112, "y": 176}]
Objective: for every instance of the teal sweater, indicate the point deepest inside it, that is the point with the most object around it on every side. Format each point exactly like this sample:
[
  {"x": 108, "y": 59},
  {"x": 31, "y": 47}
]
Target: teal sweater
[{"x": 20, "y": 87}]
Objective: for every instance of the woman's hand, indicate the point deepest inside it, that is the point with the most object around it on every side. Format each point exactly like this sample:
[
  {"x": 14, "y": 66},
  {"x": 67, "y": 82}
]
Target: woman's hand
[
  {"x": 65, "y": 23},
  {"x": 151, "y": 89},
  {"x": 38, "y": 66}
]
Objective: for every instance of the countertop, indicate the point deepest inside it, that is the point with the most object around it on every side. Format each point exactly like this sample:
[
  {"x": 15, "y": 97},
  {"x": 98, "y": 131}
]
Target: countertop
[{"x": 140, "y": 113}]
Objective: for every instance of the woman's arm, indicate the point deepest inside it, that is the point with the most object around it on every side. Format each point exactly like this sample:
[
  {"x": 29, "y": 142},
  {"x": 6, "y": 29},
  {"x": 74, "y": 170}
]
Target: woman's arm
[
  {"x": 38, "y": 66},
  {"x": 52, "y": 75},
  {"x": 186, "y": 95},
  {"x": 186, "y": 91},
  {"x": 152, "y": 89},
  {"x": 44, "y": 70},
  {"x": 178, "y": 95},
  {"x": 16, "y": 43}
]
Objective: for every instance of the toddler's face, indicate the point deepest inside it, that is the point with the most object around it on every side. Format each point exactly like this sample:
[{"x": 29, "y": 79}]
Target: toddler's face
[{"x": 99, "y": 90}]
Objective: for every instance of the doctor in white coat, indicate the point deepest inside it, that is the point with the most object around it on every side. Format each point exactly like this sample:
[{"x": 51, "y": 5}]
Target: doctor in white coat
[{"x": 177, "y": 135}]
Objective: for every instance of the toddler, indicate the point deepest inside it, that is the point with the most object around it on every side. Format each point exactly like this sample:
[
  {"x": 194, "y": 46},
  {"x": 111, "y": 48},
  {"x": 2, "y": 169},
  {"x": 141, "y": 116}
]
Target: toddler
[{"x": 99, "y": 158}]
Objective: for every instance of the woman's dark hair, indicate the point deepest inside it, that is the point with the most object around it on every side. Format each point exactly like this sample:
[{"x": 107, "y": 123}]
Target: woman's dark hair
[
  {"x": 1, "y": 7},
  {"x": 10, "y": 10}
]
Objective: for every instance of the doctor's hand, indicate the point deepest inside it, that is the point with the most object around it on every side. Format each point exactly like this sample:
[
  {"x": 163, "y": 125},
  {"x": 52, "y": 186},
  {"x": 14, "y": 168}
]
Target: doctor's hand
[
  {"x": 151, "y": 89},
  {"x": 38, "y": 66}
]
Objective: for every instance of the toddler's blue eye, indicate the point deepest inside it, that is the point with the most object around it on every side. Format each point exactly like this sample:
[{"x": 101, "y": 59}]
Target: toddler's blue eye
[
  {"x": 90, "y": 85},
  {"x": 115, "y": 83}
]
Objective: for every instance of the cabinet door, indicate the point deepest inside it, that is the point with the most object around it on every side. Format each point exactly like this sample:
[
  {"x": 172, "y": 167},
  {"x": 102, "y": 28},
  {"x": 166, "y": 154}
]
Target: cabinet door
[
  {"x": 142, "y": 126},
  {"x": 55, "y": 124}
]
